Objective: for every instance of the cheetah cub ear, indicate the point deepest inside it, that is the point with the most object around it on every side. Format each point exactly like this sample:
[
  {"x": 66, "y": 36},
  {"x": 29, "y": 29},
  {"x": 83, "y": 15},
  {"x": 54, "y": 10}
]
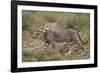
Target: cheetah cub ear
[
  {"x": 46, "y": 28},
  {"x": 42, "y": 29}
]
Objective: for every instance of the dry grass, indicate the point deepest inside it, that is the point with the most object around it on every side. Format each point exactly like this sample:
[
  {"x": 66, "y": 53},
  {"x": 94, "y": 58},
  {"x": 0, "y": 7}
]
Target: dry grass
[{"x": 33, "y": 51}]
